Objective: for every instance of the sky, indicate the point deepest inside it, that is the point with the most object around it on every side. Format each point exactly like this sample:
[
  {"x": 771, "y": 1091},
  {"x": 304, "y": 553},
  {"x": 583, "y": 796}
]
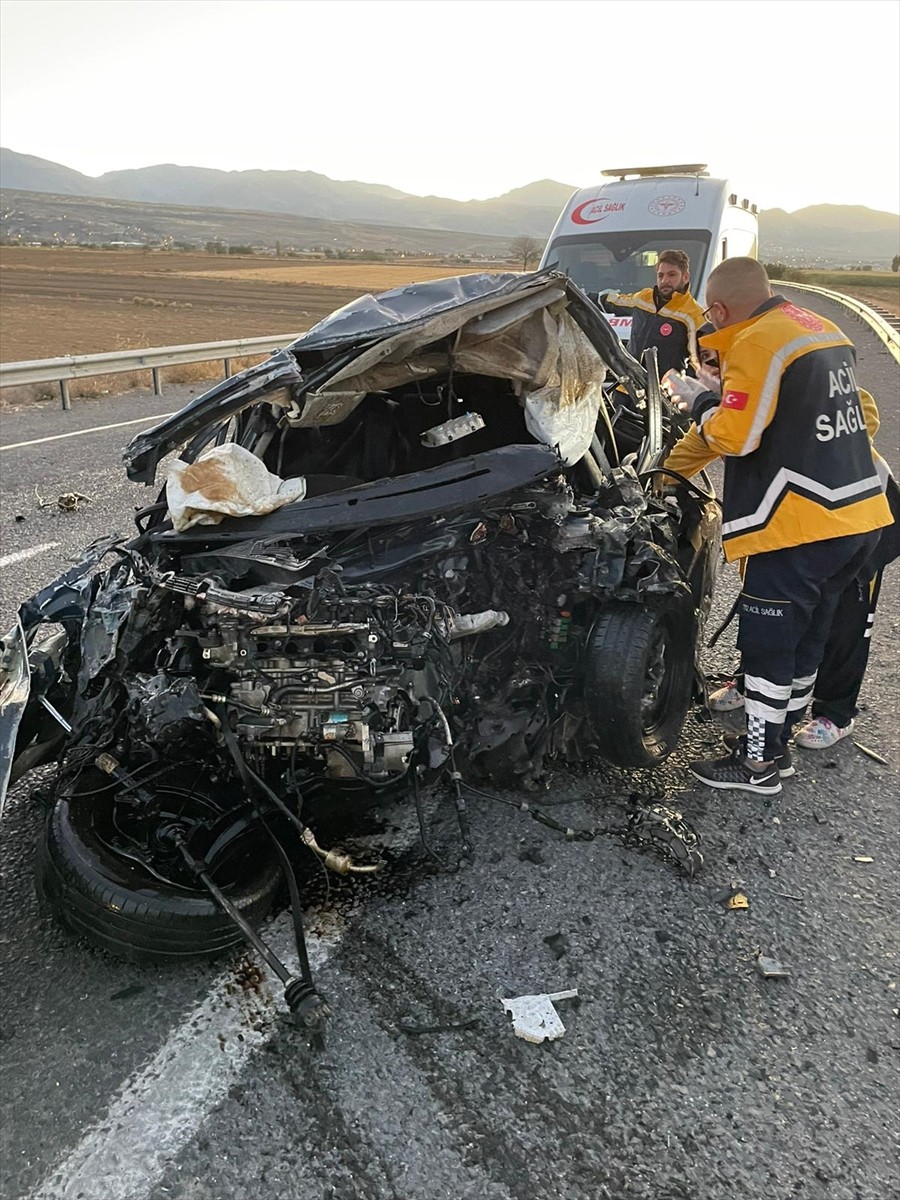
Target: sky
[{"x": 797, "y": 102}]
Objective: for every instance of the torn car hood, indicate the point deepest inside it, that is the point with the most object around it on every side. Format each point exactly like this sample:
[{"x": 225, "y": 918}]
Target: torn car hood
[{"x": 369, "y": 343}]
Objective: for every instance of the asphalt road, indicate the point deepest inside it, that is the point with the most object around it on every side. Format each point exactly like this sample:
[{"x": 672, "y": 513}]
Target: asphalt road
[{"x": 683, "y": 1075}]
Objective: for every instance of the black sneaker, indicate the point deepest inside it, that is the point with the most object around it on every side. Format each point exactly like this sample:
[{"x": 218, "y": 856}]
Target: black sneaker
[
  {"x": 783, "y": 761},
  {"x": 733, "y": 772}
]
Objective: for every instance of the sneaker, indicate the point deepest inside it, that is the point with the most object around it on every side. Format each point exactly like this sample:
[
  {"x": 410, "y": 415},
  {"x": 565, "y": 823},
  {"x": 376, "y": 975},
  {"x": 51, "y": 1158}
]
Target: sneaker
[
  {"x": 733, "y": 772},
  {"x": 820, "y": 733},
  {"x": 783, "y": 760},
  {"x": 726, "y": 699}
]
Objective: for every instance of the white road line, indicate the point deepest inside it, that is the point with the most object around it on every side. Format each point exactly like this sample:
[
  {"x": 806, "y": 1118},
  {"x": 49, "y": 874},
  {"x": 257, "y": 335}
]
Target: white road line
[
  {"x": 94, "y": 429},
  {"x": 157, "y": 1112},
  {"x": 20, "y": 555}
]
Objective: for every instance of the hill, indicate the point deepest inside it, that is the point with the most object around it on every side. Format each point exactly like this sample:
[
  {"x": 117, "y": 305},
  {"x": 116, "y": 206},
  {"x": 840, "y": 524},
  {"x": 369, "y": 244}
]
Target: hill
[
  {"x": 40, "y": 217},
  {"x": 160, "y": 201},
  {"x": 305, "y": 193}
]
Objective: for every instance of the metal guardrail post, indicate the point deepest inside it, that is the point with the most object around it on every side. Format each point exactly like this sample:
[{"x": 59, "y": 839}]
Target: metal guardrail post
[
  {"x": 873, "y": 319},
  {"x": 63, "y": 370}
]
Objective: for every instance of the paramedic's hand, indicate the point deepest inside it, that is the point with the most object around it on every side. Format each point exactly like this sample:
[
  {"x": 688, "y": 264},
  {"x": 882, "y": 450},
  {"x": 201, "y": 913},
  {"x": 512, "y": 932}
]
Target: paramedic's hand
[
  {"x": 683, "y": 391},
  {"x": 711, "y": 381}
]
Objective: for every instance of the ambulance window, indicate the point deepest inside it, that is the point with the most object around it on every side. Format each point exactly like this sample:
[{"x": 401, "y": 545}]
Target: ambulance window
[
  {"x": 724, "y": 253},
  {"x": 624, "y": 260}
]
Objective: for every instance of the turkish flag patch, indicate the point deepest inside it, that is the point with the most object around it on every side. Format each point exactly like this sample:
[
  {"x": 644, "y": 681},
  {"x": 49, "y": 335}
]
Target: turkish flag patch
[{"x": 737, "y": 400}]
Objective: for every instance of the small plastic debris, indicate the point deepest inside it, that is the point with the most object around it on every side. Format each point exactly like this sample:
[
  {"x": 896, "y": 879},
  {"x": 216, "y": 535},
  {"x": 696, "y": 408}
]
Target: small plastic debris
[
  {"x": 534, "y": 1017},
  {"x": 771, "y": 968},
  {"x": 414, "y": 1030},
  {"x": 873, "y": 754},
  {"x": 862, "y": 858},
  {"x": 737, "y": 900}
]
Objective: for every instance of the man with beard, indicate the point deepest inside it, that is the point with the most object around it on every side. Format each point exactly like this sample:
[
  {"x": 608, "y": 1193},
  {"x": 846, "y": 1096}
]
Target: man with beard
[{"x": 665, "y": 316}]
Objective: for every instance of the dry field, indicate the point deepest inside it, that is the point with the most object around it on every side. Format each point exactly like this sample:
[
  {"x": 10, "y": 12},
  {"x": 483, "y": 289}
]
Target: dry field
[
  {"x": 879, "y": 297},
  {"x": 70, "y": 301}
]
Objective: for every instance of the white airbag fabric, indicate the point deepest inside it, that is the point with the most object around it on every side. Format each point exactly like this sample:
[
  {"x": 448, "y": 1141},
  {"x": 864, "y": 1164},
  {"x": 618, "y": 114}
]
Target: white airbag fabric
[{"x": 225, "y": 481}]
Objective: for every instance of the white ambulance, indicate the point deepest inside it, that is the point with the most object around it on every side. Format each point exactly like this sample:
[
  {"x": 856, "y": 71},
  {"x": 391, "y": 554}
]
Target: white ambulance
[{"x": 611, "y": 235}]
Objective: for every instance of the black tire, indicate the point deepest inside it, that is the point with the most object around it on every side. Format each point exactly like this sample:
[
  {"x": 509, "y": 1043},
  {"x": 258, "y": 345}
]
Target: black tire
[
  {"x": 638, "y": 675},
  {"x": 118, "y": 905}
]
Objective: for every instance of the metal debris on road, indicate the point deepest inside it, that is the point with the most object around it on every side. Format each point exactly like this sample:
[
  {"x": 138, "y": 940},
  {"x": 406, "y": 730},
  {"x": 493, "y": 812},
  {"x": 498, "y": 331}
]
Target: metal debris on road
[
  {"x": 862, "y": 858},
  {"x": 67, "y": 502},
  {"x": 534, "y": 1017},
  {"x": 873, "y": 754},
  {"x": 772, "y": 968},
  {"x": 414, "y": 1030},
  {"x": 665, "y": 832},
  {"x": 736, "y": 900}
]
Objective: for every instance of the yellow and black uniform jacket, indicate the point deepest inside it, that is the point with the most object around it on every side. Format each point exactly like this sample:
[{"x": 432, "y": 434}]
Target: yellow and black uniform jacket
[
  {"x": 671, "y": 326},
  {"x": 790, "y": 425}
]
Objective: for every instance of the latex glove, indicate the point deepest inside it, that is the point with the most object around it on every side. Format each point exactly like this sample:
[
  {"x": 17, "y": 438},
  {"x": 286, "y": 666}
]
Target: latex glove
[
  {"x": 711, "y": 381},
  {"x": 684, "y": 391}
]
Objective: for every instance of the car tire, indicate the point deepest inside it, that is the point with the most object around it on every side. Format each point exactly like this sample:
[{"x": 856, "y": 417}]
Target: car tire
[
  {"x": 118, "y": 905},
  {"x": 638, "y": 677}
]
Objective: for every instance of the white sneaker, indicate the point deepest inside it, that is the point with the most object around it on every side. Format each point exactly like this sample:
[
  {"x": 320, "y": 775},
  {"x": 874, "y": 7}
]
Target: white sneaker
[
  {"x": 727, "y": 698},
  {"x": 820, "y": 733}
]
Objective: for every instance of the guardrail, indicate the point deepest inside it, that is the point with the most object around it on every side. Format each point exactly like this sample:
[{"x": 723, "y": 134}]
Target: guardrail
[
  {"x": 875, "y": 320},
  {"x": 153, "y": 359}
]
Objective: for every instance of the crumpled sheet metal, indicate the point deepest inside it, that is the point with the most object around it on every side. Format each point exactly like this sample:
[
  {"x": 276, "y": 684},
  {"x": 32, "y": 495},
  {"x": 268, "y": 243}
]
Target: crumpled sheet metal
[
  {"x": 534, "y": 1017},
  {"x": 225, "y": 481},
  {"x": 533, "y": 342}
]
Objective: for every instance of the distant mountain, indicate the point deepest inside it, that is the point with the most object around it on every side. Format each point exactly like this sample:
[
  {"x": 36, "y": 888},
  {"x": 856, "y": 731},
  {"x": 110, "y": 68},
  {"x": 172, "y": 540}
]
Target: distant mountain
[
  {"x": 527, "y": 210},
  {"x": 39, "y": 216},
  {"x": 822, "y": 234},
  {"x": 38, "y": 175},
  {"x": 829, "y": 235}
]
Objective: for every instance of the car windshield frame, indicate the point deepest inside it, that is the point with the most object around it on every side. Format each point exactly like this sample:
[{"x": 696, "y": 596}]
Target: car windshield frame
[{"x": 623, "y": 273}]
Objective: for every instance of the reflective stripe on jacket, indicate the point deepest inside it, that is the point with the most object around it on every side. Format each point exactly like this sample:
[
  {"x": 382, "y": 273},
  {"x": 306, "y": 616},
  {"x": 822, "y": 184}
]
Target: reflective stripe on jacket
[
  {"x": 672, "y": 328},
  {"x": 790, "y": 425}
]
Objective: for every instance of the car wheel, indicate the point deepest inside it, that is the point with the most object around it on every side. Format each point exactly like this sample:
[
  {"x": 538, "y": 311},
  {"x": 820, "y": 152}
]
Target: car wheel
[
  {"x": 116, "y": 903},
  {"x": 638, "y": 675}
]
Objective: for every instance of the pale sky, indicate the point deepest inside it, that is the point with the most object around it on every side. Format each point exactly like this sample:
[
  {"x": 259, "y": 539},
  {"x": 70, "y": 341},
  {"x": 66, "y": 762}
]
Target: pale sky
[{"x": 797, "y": 102}]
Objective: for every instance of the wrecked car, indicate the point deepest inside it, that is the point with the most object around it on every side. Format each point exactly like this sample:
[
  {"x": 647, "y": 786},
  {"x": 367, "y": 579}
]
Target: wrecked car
[{"x": 425, "y": 542}]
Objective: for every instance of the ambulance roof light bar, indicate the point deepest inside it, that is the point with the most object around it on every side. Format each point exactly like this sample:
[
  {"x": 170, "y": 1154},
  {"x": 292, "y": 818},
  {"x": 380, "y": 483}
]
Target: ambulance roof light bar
[{"x": 649, "y": 172}]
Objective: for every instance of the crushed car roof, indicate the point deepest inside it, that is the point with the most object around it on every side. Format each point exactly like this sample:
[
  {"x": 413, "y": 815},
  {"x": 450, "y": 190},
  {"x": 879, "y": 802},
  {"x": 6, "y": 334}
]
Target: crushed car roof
[{"x": 371, "y": 330}]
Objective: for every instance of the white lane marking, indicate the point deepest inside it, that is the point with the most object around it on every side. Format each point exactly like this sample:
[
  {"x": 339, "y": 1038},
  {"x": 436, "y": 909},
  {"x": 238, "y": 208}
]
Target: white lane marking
[
  {"x": 20, "y": 555},
  {"x": 158, "y": 1110},
  {"x": 94, "y": 429}
]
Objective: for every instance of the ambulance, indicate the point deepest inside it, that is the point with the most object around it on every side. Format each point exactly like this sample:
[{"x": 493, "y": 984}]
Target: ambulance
[{"x": 611, "y": 235}]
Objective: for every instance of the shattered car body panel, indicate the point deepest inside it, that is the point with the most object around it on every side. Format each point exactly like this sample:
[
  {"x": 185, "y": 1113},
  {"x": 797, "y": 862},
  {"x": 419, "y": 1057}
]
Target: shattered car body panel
[{"x": 474, "y": 541}]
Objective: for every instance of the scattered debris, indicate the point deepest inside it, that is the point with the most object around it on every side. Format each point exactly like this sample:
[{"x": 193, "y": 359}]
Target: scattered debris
[
  {"x": 862, "y": 858},
  {"x": 414, "y": 1030},
  {"x": 67, "y": 502},
  {"x": 772, "y": 968},
  {"x": 665, "y": 832},
  {"x": 133, "y": 989},
  {"x": 534, "y": 1017},
  {"x": 19, "y": 518},
  {"x": 736, "y": 900},
  {"x": 873, "y": 754},
  {"x": 788, "y": 896}
]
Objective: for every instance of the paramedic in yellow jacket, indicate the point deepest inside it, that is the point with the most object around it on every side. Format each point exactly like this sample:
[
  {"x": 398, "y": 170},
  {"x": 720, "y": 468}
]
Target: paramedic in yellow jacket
[
  {"x": 665, "y": 316},
  {"x": 802, "y": 498}
]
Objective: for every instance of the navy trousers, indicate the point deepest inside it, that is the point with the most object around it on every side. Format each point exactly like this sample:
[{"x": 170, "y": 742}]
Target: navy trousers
[{"x": 786, "y": 609}]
